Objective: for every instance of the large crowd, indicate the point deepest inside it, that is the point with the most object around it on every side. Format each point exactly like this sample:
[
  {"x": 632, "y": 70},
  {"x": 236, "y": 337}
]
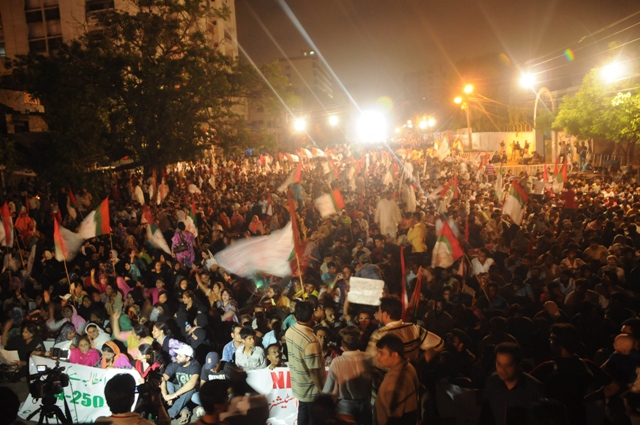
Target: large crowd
[{"x": 538, "y": 319}]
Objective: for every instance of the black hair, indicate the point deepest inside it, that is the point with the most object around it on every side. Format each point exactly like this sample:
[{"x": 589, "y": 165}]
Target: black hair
[
  {"x": 510, "y": 348},
  {"x": 213, "y": 393},
  {"x": 567, "y": 336},
  {"x": 141, "y": 330},
  {"x": 246, "y": 331},
  {"x": 392, "y": 306},
  {"x": 304, "y": 311},
  {"x": 393, "y": 343},
  {"x": 120, "y": 392},
  {"x": 161, "y": 326}
]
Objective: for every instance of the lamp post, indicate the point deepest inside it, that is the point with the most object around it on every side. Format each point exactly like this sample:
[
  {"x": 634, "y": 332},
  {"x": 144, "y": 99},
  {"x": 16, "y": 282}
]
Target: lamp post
[
  {"x": 528, "y": 81},
  {"x": 464, "y": 103}
]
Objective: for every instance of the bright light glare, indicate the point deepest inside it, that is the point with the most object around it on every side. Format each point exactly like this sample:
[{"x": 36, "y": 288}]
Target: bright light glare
[
  {"x": 372, "y": 127},
  {"x": 423, "y": 124},
  {"x": 334, "y": 120},
  {"x": 468, "y": 89},
  {"x": 527, "y": 80},
  {"x": 398, "y": 130},
  {"x": 431, "y": 122},
  {"x": 612, "y": 72},
  {"x": 458, "y": 100},
  {"x": 300, "y": 124}
]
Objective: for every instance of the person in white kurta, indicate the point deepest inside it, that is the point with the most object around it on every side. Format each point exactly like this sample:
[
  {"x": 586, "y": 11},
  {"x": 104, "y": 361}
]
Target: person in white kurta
[
  {"x": 408, "y": 196},
  {"x": 388, "y": 215}
]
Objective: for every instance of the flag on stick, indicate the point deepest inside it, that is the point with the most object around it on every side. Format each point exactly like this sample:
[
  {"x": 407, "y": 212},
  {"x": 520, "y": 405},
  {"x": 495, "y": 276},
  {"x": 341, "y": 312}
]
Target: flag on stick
[
  {"x": 294, "y": 177},
  {"x": 447, "y": 248},
  {"x": 97, "y": 222},
  {"x": 516, "y": 200},
  {"x": 7, "y": 227},
  {"x": 67, "y": 243},
  {"x": 329, "y": 203}
]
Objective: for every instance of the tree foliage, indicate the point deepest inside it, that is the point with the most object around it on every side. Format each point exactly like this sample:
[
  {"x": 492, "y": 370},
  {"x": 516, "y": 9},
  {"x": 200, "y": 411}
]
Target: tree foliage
[
  {"x": 142, "y": 86},
  {"x": 601, "y": 112}
]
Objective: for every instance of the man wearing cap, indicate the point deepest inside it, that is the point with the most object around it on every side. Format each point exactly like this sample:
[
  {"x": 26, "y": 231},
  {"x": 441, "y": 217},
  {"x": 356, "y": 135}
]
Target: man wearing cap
[{"x": 179, "y": 383}]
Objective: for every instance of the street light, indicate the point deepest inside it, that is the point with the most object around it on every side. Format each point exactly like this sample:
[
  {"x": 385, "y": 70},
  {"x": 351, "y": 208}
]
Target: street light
[
  {"x": 458, "y": 100},
  {"x": 333, "y": 120},
  {"x": 464, "y": 103},
  {"x": 468, "y": 89},
  {"x": 372, "y": 127},
  {"x": 423, "y": 124},
  {"x": 527, "y": 80},
  {"x": 612, "y": 72},
  {"x": 299, "y": 125},
  {"x": 431, "y": 122}
]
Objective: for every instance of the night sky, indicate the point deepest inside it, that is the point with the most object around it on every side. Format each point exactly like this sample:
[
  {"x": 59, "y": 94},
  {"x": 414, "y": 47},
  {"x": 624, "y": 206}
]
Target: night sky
[{"x": 370, "y": 44}]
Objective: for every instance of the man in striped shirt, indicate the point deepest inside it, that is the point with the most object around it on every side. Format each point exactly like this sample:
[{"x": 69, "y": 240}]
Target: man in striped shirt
[
  {"x": 417, "y": 340},
  {"x": 306, "y": 361}
]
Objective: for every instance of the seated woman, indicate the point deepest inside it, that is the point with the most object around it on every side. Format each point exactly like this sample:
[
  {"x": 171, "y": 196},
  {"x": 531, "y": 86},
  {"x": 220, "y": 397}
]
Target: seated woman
[
  {"x": 133, "y": 338},
  {"x": 66, "y": 340},
  {"x": 84, "y": 354},
  {"x": 228, "y": 306},
  {"x": 192, "y": 319},
  {"x": 149, "y": 360},
  {"x": 27, "y": 343},
  {"x": 113, "y": 358},
  {"x": 97, "y": 336}
]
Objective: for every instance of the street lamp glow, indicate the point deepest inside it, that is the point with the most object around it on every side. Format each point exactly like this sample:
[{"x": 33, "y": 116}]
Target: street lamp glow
[
  {"x": 527, "y": 80},
  {"x": 423, "y": 124},
  {"x": 372, "y": 127},
  {"x": 398, "y": 130},
  {"x": 612, "y": 72},
  {"x": 300, "y": 124},
  {"x": 468, "y": 89},
  {"x": 333, "y": 120},
  {"x": 431, "y": 122},
  {"x": 458, "y": 100}
]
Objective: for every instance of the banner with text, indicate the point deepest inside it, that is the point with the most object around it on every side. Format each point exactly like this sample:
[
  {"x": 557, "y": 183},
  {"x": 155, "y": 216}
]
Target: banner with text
[{"x": 84, "y": 394}]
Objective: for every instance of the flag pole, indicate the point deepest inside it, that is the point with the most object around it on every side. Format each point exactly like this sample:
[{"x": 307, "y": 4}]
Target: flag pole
[
  {"x": 64, "y": 261},
  {"x": 15, "y": 231},
  {"x": 476, "y": 276},
  {"x": 113, "y": 265}
]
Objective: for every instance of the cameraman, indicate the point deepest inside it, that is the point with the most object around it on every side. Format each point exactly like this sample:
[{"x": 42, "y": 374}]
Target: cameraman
[
  {"x": 179, "y": 383},
  {"x": 120, "y": 394}
]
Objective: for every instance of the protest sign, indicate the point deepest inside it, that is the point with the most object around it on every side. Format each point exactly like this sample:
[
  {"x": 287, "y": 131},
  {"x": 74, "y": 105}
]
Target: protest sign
[
  {"x": 84, "y": 394},
  {"x": 365, "y": 291}
]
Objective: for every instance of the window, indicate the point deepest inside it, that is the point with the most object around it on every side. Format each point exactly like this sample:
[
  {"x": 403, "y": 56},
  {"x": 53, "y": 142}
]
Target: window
[
  {"x": 54, "y": 43},
  {"x": 34, "y": 16},
  {"x": 52, "y": 14},
  {"x": 3, "y": 52},
  {"x": 94, "y": 5},
  {"x": 38, "y": 46}
]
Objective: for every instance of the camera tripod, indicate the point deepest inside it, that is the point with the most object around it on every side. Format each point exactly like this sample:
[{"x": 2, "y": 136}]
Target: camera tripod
[{"x": 49, "y": 410}]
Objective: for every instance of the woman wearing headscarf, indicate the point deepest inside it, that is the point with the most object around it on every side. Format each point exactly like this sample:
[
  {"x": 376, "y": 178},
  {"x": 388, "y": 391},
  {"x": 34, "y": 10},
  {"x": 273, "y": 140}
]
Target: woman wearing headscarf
[
  {"x": 256, "y": 228},
  {"x": 97, "y": 336},
  {"x": 65, "y": 341},
  {"x": 69, "y": 314},
  {"x": 113, "y": 358},
  {"x": 192, "y": 319}
]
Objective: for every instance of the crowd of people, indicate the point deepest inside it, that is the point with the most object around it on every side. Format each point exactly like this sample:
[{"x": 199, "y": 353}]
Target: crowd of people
[{"x": 540, "y": 318}]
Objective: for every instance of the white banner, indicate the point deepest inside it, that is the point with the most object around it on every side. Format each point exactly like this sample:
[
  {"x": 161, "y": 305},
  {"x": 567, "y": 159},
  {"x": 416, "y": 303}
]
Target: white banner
[
  {"x": 84, "y": 394},
  {"x": 276, "y": 387},
  {"x": 365, "y": 291}
]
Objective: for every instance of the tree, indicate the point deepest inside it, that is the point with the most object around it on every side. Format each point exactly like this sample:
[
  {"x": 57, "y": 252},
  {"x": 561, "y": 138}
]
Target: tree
[
  {"x": 143, "y": 86},
  {"x": 599, "y": 112}
]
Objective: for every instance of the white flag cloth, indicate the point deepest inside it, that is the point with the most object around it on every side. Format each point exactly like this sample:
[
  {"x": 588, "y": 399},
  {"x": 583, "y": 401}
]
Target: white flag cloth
[
  {"x": 212, "y": 182},
  {"x": 139, "y": 196},
  {"x": 443, "y": 149},
  {"x": 72, "y": 243},
  {"x": 261, "y": 254},
  {"x": 194, "y": 189},
  {"x": 157, "y": 239}
]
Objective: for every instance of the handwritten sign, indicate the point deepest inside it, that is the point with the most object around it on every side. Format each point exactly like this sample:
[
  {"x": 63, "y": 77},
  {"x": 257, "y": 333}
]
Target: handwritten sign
[
  {"x": 365, "y": 291},
  {"x": 84, "y": 394}
]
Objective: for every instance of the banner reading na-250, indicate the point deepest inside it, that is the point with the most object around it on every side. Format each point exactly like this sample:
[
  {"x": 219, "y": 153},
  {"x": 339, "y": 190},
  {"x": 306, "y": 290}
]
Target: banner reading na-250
[{"x": 84, "y": 394}]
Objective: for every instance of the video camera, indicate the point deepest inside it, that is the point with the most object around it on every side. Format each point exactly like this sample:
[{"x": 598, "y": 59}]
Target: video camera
[{"x": 48, "y": 381}]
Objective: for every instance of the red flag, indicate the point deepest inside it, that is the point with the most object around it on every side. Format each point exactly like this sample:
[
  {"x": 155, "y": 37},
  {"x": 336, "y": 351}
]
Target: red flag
[
  {"x": 72, "y": 198},
  {"x": 412, "y": 311},
  {"x": 456, "y": 193},
  {"x": 262, "y": 160},
  {"x": 298, "y": 249},
  {"x": 545, "y": 173},
  {"x": 555, "y": 168},
  {"x": 297, "y": 177},
  {"x": 7, "y": 224}
]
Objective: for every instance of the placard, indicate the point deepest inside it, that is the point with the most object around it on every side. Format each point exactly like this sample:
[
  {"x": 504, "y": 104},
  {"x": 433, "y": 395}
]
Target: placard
[
  {"x": 365, "y": 291},
  {"x": 84, "y": 394}
]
